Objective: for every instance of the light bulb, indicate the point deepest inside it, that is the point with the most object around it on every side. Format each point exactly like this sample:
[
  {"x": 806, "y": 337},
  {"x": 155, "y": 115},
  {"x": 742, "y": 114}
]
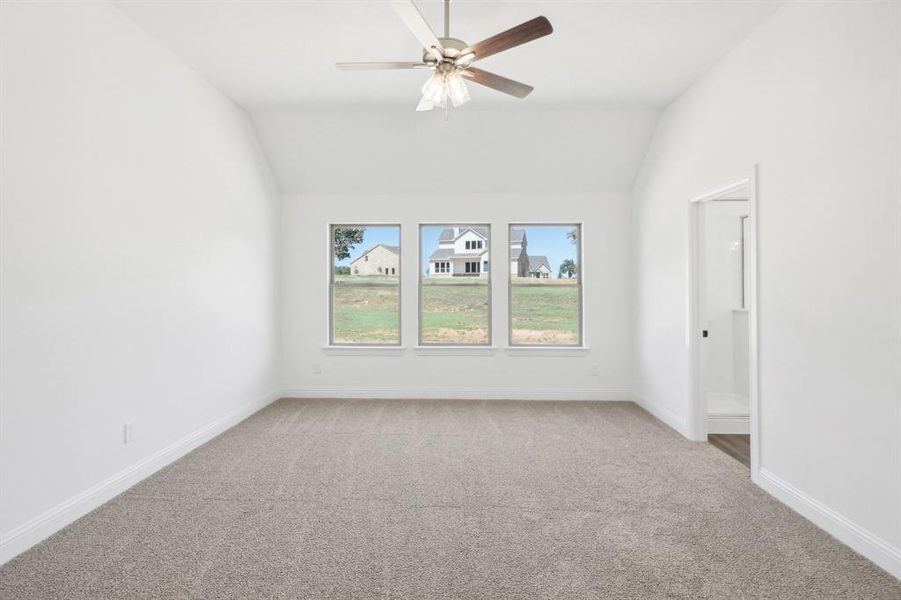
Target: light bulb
[
  {"x": 456, "y": 89},
  {"x": 434, "y": 89}
]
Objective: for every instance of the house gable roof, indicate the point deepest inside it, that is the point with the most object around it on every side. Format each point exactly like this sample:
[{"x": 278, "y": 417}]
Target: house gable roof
[
  {"x": 447, "y": 234},
  {"x": 394, "y": 249},
  {"x": 537, "y": 261}
]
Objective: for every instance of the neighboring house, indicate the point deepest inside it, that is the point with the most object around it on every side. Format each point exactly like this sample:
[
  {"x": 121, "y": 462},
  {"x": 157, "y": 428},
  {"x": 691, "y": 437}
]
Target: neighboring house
[
  {"x": 519, "y": 257},
  {"x": 540, "y": 267},
  {"x": 462, "y": 251},
  {"x": 378, "y": 260}
]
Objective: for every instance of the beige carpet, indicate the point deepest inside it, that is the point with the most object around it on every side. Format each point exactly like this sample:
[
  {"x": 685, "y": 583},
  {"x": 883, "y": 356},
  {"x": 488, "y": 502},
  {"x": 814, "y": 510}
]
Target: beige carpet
[{"x": 458, "y": 499}]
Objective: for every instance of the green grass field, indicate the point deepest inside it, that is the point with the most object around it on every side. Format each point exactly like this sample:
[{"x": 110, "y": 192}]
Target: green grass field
[
  {"x": 366, "y": 314},
  {"x": 545, "y": 314},
  {"x": 456, "y": 312}
]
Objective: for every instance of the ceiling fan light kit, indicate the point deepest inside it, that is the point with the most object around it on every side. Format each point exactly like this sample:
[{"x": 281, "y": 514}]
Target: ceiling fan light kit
[{"x": 450, "y": 59}]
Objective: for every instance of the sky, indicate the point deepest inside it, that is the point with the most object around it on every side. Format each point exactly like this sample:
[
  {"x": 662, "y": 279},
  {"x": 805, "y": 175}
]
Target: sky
[{"x": 549, "y": 240}]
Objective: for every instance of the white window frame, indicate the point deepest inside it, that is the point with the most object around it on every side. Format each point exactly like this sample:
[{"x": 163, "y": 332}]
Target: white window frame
[
  {"x": 581, "y": 285},
  {"x": 489, "y": 284},
  {"x": 331, "y": 285}
]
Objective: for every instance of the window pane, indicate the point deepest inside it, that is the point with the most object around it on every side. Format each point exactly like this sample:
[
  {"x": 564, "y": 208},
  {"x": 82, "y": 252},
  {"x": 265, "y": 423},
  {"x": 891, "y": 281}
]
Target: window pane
[
  {"x": 365, "y": 284},
  {"x": 545, "y": 285},
  {"x": 545, "y": 312},
  {"x": 454, "y": 292},
  {"x": 454, "y": 313},
  {"x": 366, "y": 314}
]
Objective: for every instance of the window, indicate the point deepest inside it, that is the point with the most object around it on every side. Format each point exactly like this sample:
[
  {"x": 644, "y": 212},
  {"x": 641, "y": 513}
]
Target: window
[
  {"x": 545, "y": 285},
  {"x": 454, "y": 292},
  {"x": 364, "y": 290}
]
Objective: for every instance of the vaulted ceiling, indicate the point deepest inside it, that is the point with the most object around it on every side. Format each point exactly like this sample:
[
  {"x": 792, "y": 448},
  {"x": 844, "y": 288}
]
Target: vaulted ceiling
[{"x": 600, "y": 79}]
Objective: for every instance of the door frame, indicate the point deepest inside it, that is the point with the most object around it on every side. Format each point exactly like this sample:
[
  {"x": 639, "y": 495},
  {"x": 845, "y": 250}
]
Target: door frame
[{"x": 698, "y": 413}]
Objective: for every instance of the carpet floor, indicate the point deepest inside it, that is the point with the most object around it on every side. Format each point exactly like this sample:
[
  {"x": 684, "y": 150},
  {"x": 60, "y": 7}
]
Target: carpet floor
[{"x": 455, "y": 499}]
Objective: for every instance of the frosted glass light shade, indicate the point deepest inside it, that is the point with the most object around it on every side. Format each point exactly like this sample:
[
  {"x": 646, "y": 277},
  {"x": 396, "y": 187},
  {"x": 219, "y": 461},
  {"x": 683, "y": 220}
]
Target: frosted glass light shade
[
  {"x": 434, "y": 89},
  {"x": 456, "y": 89}
]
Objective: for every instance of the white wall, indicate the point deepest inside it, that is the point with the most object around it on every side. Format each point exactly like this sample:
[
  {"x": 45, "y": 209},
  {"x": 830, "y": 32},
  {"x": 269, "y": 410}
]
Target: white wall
[
  {"x": 814, "y": 97},
  {"x": 138, "y": 260},
  {"x": 478, "y": 150},
  {"x": 565, "y": 374}
]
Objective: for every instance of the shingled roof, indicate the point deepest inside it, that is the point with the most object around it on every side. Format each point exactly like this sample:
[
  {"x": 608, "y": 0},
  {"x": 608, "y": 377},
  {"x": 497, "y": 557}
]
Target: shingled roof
[
  {"x": 394, "y": 249},
  {"x": 537, "y": 261},
  {"x": 445, "y": 253},
  {"x": 447, "y": 235}
]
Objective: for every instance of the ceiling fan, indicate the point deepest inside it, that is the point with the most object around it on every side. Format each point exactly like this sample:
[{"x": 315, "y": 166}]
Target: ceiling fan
[{"x": 450, "y": 59}]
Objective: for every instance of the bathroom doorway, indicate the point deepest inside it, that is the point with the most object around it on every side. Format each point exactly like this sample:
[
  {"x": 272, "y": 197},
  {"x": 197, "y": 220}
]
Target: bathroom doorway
[{"x": 724, "y": 320}]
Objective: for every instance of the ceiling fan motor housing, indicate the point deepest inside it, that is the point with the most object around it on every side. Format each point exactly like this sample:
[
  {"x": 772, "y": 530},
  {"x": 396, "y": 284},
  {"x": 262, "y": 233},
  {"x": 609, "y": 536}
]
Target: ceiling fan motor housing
[{"x": 452, "y": 48}]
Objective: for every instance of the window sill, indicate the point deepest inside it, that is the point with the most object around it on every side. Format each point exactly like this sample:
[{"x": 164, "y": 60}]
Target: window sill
[
  {"x": 455, "y": 350},
  {"x": 547, "y": 350},
  {"x": 363, "y": 350}
]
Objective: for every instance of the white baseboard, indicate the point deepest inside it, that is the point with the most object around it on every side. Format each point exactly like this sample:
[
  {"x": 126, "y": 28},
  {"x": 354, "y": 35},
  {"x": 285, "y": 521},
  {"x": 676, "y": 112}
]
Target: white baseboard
[
  {"x": 457, "y": 393},
  {"x": 664, "y": 414},
  {"x": 858, "y": 539},
  {"x": 43, "y": 526},
  {"x": 729, "y": 424}
]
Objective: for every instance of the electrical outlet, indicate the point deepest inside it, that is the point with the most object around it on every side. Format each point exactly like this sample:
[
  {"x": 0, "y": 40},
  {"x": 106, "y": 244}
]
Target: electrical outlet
[
  {"x": 129, "y": 432},
  {"x": 595, "y": 370},
  {"x": 317, "y": 369}
]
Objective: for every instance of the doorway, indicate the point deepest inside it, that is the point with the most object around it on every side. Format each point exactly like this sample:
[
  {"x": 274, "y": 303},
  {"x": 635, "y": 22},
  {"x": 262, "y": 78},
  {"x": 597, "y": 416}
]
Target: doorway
[{"x": 723, "y": 320}]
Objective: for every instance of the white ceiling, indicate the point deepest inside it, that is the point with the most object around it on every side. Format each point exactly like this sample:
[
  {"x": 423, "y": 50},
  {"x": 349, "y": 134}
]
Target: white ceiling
[{"x": 268, "y": 53}]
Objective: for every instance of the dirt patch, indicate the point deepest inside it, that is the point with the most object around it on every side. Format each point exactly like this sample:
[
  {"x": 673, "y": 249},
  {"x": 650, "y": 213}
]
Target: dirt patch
[
  {"x": 370, "y": 336},
  {"x": 538, "y": 336},
  {"x": 456, "y": 336}
]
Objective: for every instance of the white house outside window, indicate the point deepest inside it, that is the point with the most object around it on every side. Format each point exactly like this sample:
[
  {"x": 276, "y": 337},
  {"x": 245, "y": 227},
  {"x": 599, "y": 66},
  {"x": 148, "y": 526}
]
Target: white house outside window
[{"x": 454, "y": 285}]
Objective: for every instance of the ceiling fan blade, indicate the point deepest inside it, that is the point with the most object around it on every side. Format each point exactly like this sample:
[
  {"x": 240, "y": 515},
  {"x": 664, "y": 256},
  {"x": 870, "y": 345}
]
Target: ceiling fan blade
[
  {"x": 415, "y": 22},
  {"x": 378, "y": 66},
  {"x": 526, "y": 32},
  {"x": 496, "y": 82}
]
